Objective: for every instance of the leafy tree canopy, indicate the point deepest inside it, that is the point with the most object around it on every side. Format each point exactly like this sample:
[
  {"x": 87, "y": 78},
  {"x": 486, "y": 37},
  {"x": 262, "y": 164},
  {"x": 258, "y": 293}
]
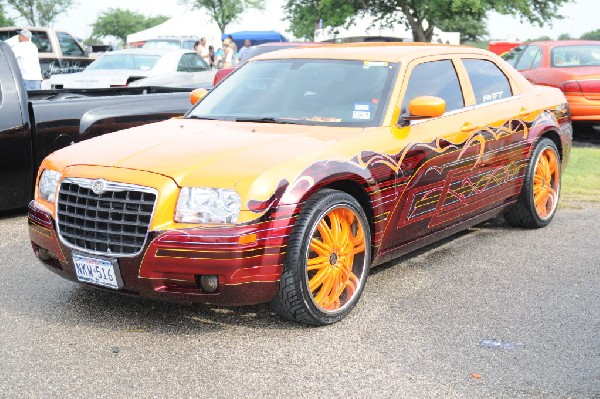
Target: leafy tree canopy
[
  {"x": 593, "y": 35},
  {"x": 564, "y": 36},
  {"x": 119, "y": 23},
  {"x": 224, "y": 12},
  {"x": 420, "y": 16},
  {"x": 5, "y": 20},
  {"x": 40, "y": 12}
]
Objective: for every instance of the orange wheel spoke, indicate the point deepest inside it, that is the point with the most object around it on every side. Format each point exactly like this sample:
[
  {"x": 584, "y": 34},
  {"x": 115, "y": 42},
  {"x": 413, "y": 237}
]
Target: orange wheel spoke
[
  {"x": 317, "y": 263},
  {"x": 319, "y": 247},
  {"x": 318, "y": 279},
  {"x": 325, "y": 232}
]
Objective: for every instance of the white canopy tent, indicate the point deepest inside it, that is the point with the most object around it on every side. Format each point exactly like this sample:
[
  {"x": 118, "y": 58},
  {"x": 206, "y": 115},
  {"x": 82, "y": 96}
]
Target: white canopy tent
[{"x": 199, "y": 24}]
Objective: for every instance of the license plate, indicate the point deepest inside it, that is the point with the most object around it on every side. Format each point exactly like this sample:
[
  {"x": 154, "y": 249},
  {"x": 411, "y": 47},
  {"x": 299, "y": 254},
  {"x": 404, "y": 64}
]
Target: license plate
[{"x": 97, "y": 271}]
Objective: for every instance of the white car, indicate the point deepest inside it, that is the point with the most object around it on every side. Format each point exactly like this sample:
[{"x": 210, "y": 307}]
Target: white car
[{"x": 120, "y": 68}]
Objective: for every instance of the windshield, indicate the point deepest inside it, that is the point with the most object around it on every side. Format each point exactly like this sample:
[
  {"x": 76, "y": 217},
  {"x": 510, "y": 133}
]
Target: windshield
[
  {"x": 303, "y": 91},
  {"x": 138, "y": 62},
  {"x": 164, "y": 44},
  {"x": 574, "y": 56}
]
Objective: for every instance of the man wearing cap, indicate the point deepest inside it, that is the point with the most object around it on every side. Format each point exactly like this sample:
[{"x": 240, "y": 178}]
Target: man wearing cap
[{"x": 26, "y": 53}]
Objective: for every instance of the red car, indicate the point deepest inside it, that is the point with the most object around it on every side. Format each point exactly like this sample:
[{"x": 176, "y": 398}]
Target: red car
[
  {"x": 260, "y": 49},
  {"x": 571, "y": 65}
]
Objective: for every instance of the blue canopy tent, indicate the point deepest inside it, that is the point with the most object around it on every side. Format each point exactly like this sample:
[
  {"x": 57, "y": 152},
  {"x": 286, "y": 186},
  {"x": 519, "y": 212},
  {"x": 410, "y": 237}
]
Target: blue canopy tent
[{"x": 256, "y": 37}]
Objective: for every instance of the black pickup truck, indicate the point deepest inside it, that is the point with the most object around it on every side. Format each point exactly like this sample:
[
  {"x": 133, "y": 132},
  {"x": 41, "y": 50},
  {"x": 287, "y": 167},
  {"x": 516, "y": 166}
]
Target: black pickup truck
[{"x": 32, "y": 126}]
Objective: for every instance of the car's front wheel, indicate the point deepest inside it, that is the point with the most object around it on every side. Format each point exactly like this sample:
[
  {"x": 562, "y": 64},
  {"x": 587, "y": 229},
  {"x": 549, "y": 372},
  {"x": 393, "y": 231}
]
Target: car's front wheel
[{"x": 327, "y": 260}]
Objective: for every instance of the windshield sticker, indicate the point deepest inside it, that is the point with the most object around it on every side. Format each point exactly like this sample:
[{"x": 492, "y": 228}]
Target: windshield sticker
[
  {"x": 361, "y": 111},
  {"x": 372, "y": 64}
]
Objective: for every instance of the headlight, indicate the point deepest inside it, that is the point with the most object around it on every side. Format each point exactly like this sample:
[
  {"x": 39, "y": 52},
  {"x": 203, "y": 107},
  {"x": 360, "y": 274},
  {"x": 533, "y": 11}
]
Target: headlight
[
  {"x": 48, "y": 184},
  {"x": 207, "y": 205}
]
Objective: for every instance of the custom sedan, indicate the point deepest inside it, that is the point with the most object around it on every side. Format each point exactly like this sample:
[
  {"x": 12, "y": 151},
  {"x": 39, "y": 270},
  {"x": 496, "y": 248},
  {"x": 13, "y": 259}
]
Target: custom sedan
[
  {"x": 571, "y": 65},
  {"x": 120, "y": 68},
  {"x": 301, "y": 171}
]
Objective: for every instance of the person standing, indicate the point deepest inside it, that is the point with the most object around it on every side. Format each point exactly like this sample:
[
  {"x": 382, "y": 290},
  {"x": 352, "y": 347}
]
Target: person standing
[
  {"x": 244, "y": 52},
  {"x": 26, "y": 53},
  {"x": 202, "y": 50},
  {"x": 234, "y": 48},
  {"x": 228, "y": 54}
]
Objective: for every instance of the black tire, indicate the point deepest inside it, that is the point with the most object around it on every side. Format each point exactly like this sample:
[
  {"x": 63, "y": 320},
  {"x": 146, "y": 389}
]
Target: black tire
[
  {"x": 296, "y": 300},
  {"x": 525, "y": 213}
]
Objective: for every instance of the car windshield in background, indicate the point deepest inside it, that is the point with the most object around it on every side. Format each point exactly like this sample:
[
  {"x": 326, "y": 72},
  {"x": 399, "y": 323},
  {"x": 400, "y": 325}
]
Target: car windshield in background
[
  {"x": 139, "y": 62},
  {"x": 574, "y": 56},
  {"x": 303, "y": 91}
]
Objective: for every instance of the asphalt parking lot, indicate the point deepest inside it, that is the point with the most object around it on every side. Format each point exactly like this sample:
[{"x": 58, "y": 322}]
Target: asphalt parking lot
[{"x": 493, "y": 312}]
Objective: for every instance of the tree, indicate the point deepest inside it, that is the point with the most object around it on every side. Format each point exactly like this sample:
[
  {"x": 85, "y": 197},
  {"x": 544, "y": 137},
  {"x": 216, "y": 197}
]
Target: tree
[
  {"x": 305, "y": 15},
  {"x": 593, "y": 35},
  {"x": 422, "y": 16},
  {"x": 224, "y": 12},
  {"x": 564, "y": 36},
  {"x": 472, "y": 29},
  {"x": 119, "y": 23},
  {"x": 4, "y": 20},
  {"x": 40, "y": 12}
]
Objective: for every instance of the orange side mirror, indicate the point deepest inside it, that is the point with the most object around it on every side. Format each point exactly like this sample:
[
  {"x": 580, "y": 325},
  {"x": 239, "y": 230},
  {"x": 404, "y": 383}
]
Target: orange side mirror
[
  {"x": 426, "y": 107},
  {"x": 197, "y": 95}
]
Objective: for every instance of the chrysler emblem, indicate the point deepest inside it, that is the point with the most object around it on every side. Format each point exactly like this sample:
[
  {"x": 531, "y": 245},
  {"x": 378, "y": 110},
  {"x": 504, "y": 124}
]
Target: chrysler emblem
[{"x": 99, "y": 186}]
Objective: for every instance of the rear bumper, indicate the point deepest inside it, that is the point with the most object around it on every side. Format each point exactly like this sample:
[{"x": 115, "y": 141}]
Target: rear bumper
[
  {"x": 171, "y": 263},
  {"x": 584, "y": 109}
]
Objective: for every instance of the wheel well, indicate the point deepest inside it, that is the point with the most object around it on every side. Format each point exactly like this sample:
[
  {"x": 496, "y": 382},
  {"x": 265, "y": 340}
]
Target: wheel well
[
  {"x": 552, "y": 135},
  {"x": 358, "y": 192}
]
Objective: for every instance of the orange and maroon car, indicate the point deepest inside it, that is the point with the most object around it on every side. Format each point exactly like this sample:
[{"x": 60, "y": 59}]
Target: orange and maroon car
[
  {"x": 298, "y": 173},
  {"x": 571, "y": 65}
]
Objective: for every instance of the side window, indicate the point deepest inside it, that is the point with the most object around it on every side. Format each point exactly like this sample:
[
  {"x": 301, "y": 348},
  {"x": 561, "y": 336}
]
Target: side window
[
  {"x": 41, "y": 40},
  {"x": 530, "y": 59},
  {"x": 68, "y": 45},
  {"x": 191, "y": 62},
  {"x": 512, "y": 57},
  {"x": 188, "y": 44},
  {"x": 436, "y": 78},
  {"x": 488, "y": 81}
]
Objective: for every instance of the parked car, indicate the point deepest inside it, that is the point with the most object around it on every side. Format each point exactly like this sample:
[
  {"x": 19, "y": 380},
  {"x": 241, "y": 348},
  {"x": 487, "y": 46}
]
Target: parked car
[
  {"x": 298, "y": 173},
  {"x": 34, "y": 125},
  {"x": 120, "y": 68},
  {"x": 261, "y": 49},
  {"x": 171, "y": 42},
  {"x": 59, "y": 52},
  {"x": 571, "y": 65}
]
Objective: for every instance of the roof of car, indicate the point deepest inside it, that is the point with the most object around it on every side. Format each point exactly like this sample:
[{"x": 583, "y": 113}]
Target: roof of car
[
  {"x": 148, "y": 51},
  {"x": 390, "y": 51},
  {"x": 555, "y": 43}
]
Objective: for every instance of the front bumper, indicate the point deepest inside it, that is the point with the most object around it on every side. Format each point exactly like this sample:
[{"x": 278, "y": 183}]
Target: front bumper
[{"x": 247, "y": 260}]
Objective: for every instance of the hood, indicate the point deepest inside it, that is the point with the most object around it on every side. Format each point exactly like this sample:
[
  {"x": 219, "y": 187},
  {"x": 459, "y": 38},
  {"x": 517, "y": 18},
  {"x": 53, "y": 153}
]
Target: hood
[
  {"x": 205, "y": 153},
  {"x": 95, "y": 78},
  {"x": 193, "y": 80}
]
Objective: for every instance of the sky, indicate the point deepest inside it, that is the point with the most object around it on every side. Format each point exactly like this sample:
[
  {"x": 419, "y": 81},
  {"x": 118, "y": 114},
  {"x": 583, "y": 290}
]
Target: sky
[{"x": 580, "y": 16}]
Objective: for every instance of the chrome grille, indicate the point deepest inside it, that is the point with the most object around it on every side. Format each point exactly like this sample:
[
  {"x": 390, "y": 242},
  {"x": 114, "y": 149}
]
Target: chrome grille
[{"x": 112, "y": 222}]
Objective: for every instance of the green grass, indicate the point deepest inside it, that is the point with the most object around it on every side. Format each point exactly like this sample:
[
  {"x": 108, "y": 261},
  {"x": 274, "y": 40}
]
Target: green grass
[{"x": 581, "y": 179}]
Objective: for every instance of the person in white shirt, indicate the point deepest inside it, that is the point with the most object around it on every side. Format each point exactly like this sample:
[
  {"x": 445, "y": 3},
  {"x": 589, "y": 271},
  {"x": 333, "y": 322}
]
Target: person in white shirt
[
  {"x": 244, "y": 52},
  {"x": 202, "y": 50},
  {"x": 26, "y": 53}
]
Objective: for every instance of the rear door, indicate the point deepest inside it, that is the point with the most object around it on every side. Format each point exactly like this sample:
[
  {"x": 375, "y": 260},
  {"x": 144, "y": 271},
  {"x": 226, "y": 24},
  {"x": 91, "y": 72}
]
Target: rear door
[{"x": 16, "y": 174}]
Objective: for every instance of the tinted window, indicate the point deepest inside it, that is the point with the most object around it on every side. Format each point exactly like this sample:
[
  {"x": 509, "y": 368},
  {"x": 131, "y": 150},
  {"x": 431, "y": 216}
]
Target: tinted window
[
  {"x": 69, "y": 45},
  {"x": 191, "y": 62},
  {"x": 39, "y": 38},
  {"x": 569, "y": 56},
  {"x": 437, "y": 78},
  {"x": 513, "y": 55},
  {"x": 488, "y": 81},
  {"x": 530, "y": 58},
  {"x": 188, "y": 45}
]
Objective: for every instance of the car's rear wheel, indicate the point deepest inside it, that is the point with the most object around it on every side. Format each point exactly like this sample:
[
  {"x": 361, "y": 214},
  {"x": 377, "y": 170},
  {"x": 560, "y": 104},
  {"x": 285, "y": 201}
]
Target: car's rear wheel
[
  {"x": 539, "y": 196},
  {"x": 327, "y": 260}
]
